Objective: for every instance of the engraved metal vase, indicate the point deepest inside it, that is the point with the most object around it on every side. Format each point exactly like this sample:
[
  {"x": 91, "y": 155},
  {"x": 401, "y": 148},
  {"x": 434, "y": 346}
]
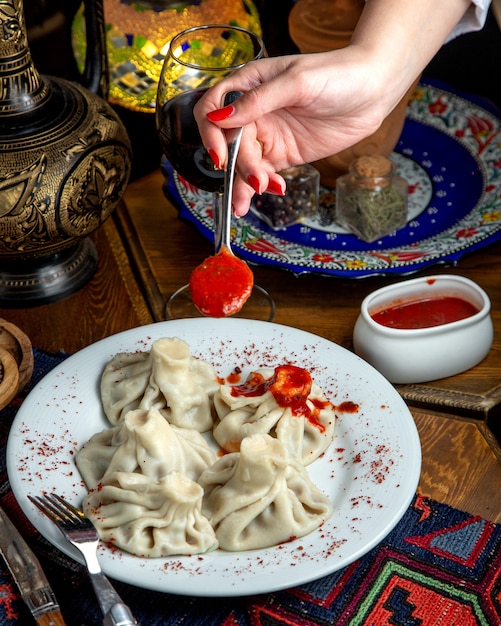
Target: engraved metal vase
[{"x": 65, "y": 160}]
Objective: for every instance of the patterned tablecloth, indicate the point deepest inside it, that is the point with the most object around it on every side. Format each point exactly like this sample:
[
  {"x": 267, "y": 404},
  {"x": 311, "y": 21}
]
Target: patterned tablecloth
[{"x": 439, "y": 566}]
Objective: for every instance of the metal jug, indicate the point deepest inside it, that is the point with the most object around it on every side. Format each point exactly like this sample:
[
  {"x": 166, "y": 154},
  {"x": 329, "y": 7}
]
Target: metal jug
[{"x": 65, "y": 160}]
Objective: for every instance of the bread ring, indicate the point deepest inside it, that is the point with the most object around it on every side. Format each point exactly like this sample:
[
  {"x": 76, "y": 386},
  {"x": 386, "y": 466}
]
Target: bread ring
[
  {"x": 9, "y": 383},
  {"x": 15, "y": 341}
]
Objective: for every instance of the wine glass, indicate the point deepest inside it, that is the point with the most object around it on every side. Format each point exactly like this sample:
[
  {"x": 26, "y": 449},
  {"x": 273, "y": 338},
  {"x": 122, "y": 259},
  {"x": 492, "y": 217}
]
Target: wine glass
[{"x": 198, "y": 58}]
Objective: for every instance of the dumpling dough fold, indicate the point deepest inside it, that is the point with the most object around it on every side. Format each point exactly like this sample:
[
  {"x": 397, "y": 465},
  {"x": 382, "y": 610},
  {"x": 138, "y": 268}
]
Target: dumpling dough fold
[
  {"x": 306, "y": 432},
  {"x": 261, "y": 496},
  {"x": 167, "y": 378},
  {"x": 142, "y": 494},
  {"x": 146, "y": 444},
  {"x": 151, "y": 518}
]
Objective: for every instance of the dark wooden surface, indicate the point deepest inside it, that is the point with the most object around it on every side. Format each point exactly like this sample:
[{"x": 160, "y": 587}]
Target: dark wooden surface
[
  {"x": 146, "y": 252},
  {"x": 461, "y": 456},
  {"x": 167, "y": 249},
  {"x": 110, "y": 303}
]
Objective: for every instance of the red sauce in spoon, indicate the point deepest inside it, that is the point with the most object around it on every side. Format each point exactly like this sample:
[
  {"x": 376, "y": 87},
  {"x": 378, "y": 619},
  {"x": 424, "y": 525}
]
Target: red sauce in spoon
[
  {"x": 425, "y": 313},
  {"x": 221, "y": 284}
]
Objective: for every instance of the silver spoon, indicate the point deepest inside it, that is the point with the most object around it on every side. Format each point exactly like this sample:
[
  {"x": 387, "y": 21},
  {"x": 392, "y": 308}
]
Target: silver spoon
[
  {"x": 230, "y": 278},
  {"x": 222, "y": 224}
]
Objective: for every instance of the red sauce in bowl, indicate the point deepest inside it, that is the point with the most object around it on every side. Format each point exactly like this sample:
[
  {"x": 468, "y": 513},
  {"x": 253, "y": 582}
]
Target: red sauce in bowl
[
  {"x": 425, "y": 313},
  {"x": 221, "y": 284}
]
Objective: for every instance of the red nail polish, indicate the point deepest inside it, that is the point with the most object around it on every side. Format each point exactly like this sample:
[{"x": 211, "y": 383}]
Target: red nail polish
[
  {"x": 215, "y": 159},
  {"x": 221, "y": 114},
  {"x": 275, "y": 188},
  {"x": 253, "y": 181}
]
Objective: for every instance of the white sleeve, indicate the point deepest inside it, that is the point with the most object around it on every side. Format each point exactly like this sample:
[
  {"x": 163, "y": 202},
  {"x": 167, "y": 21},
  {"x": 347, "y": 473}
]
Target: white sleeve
[{"x": 473, "y": 19}]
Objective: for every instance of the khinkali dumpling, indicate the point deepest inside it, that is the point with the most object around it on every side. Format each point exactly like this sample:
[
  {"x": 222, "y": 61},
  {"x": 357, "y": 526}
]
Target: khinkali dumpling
[
  {"x": 167, "y": 378},
  {"x": 150, "y": 518},
  {"x": 284, "y": 403},
  {"x": 261, "y": 496},
  {"x": 144, "y": 443}
]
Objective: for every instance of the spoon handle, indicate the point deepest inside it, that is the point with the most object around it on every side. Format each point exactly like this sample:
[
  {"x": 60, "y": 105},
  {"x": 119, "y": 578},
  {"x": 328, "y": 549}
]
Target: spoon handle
[{"x": 224, "y": 207}]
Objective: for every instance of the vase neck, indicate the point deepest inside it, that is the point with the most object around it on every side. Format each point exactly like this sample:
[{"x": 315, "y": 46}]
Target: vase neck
[{"x": 21, "y": 87}]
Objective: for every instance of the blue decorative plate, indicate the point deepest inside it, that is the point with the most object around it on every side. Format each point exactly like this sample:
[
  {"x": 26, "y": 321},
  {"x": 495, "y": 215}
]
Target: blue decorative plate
[{"x": 449, "y": 152}]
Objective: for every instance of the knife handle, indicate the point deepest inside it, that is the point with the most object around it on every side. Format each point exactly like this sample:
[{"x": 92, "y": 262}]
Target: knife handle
[
  {"x": 119, "y": 615},
  {"x": 43, "y": 606},
  {"x": 52, "y": 618}
]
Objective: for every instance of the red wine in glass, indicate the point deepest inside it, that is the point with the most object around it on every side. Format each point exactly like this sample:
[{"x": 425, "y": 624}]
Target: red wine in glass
[
  {"x": 182, "y": 145},
  {"x": 197, "y": 59}
]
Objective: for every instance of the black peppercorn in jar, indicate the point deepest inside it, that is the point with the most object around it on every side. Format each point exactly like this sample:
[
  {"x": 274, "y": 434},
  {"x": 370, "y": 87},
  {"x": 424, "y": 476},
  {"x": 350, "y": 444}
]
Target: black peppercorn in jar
[
  {"x": 299, "y": 202},
  {"x": 371, "y": 200}
]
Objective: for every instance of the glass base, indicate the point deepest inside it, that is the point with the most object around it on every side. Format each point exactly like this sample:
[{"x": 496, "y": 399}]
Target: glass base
[{"x": 259, "y": 306}]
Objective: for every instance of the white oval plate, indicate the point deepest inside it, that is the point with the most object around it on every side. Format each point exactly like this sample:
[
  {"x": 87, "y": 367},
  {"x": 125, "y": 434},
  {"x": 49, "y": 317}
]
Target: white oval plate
[{"x": 370, "y": 472}]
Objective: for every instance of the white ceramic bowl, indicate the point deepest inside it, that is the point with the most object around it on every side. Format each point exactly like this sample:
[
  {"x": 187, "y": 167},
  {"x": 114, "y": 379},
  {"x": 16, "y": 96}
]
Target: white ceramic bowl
[{"x": 424, "y": 354}]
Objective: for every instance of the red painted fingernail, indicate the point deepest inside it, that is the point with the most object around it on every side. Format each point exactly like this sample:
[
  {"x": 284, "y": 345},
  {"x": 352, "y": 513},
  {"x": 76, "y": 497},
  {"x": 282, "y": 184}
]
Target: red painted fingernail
[
  {"x": 215, "y": 158},
  {"x": 221, "y": 114},
  {"x": 275, "y": 188},
  {"x": 253, "y": 181}
]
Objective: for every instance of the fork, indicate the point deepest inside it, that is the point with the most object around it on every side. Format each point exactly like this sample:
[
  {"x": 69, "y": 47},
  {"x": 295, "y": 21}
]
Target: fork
[{"x": 81, "y": 533}]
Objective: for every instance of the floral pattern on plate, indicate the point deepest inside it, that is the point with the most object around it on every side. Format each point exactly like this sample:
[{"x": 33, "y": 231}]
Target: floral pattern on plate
[{"x": 450, "y": 154}]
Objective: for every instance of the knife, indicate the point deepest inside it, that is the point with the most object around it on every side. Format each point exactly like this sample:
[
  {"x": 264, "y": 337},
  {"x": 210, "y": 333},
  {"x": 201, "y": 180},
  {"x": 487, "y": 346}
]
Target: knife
[{"x": 28, "y": 575}]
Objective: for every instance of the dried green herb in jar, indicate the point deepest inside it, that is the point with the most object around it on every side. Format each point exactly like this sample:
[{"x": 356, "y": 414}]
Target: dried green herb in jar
[{"x": 371, "y": 200}]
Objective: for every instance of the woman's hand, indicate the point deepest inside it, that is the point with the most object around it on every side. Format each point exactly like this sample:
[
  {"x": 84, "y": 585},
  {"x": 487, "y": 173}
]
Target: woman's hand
[
  {"x": 302, "y": 108},
  {"x": 295, "y": 109}
]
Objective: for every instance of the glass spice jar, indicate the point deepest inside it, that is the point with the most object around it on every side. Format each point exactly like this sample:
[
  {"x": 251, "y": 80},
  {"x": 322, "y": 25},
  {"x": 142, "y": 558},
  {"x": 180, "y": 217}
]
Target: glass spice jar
[
  {"x": 371, "y": 200},
  {"x": 300, "y": 201}
]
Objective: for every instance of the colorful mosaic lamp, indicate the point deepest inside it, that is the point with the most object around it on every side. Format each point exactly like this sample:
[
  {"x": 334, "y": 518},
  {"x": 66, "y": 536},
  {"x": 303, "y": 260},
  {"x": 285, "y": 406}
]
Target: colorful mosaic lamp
[{"x": 138, "y": 36}]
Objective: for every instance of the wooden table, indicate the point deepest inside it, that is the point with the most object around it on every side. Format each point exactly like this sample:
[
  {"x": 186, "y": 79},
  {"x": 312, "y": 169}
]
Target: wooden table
[{"x": 146, "y": 253}]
